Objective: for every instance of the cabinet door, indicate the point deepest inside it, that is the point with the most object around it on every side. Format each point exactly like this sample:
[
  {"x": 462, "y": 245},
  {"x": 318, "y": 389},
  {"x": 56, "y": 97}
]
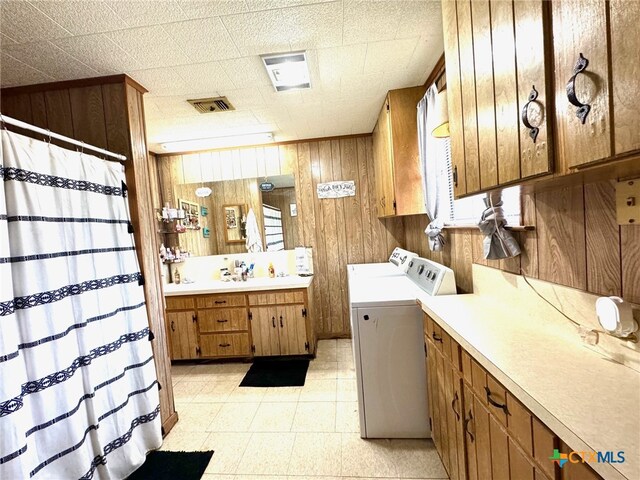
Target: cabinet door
[
  {"x": 457, "y": 458},
  {"x": 580, "y": 27},
  {"x": 382, "y": 160},
  {"x": 519, "y": 465},
  {"x": 443, "y": 410},
  {"x": 434, "y": 398},
  {"x": 499, "y": 451},
  {"x": 182, "y": 335},
  {"x": 454, "y": 94},
  {"x": 483, "y": 447},
  {"x": 293, "y": 329},
  {"x": 264, "y": 331},
  {"x": 625, "y": 74}
]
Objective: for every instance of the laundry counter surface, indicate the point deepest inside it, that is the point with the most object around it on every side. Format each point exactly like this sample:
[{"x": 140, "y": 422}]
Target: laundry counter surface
[
  {"x": 251, "y": 285},
  {"x": 588, "y": 400}
]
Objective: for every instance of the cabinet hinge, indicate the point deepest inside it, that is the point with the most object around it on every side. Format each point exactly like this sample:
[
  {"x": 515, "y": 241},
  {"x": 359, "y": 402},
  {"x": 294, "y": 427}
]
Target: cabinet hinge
[
  {"x": 455, "y": 176},
  {"x": 430, "y": 424},
  {"x": 387, "y": 106},
  {"x": 197, "y": 350},
  {"x": 394, "y": 205},
  {"x": 250, "y": 315},
  {"x": 194, "y": 318},
  {"x": 253, "y": 348},
  {"x": 306, "y": 346},
  {"x": 304, "y": 312}
]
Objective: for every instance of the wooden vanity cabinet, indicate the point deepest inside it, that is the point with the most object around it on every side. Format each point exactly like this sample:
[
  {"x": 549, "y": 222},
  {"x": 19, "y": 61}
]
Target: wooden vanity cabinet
[
  {"x": 235, "y": 325},
  {"x": 395, "y": 155},
  {"x": 479, "y": 428}
]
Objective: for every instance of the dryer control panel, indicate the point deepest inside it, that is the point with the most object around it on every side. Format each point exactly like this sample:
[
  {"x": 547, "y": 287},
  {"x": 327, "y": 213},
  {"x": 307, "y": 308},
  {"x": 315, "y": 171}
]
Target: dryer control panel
[{"x": 433, "y": 278}]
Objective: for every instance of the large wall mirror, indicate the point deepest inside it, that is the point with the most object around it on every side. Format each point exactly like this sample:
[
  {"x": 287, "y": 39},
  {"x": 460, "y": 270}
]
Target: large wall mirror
[{"x": 224, "y": 221}]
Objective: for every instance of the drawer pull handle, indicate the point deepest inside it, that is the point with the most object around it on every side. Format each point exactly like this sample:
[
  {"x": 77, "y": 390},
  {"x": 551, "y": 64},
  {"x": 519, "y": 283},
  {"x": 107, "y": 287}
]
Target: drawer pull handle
[
  {"x": 502, "y": 406},
  {"x": 173, "y": 326},
  {"x": 436, "y": 337},
  {"x": 224, "y": 345},
  {"x": 273, "y": 321},
  {"x": 466, "y": 427},
  {"x": 455, "y": 176},
  {"x": 533, "y": 131},
  {"x": 222, "y": 321},
  {"x": 453, "y": 402},
  {"x": 220, "y": 302},
  {"x": 583, "y": 108},
  {"x": 281, "y": 325}
]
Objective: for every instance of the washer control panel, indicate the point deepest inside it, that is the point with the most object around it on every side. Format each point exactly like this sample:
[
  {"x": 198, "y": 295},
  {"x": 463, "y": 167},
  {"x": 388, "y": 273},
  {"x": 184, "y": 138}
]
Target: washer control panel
[{"x": 433, "y": 278}]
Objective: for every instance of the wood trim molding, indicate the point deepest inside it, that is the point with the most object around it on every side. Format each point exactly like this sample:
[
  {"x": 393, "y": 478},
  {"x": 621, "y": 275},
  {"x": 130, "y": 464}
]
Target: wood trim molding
[
  {"x": 65, "y": 84},
  {"x": 437, "y": 72}
]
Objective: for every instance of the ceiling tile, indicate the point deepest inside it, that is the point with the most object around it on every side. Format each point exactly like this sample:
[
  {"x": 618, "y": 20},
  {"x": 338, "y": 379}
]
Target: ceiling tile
[
  {"x": 4, "y": 40},
  {"x": 146, "y": 12},
  {"x": 367, "y": 21},
  {"x": 203, "y": 40},
  {"x": 48, "y": 58},
  {"x": 24, "y": 23},
  {"x": 99, "y": 53},
  {"x": 151, "y": 110},
  {"x": 15, "y": 72},
  {"x": 313, "y": 26},
  {"x": 272, "y": 4},
  {"x": 285, "y": 99},
  {"x": 271, "y": 114},
  {"x": 337, "y": 62},
  {"x": 150, "y": 46},
  {"x": 246, "y": 71},
  {"x": 258, "y": 32},
  {"x": 174, "y": 106},
  {"x": 160, "y": 81},
  {"x": 245, "y": 98},
  {"x": 208, "y": 78},
  {"x": 389, "y": 55},
  {"x": 418, "y": 17},
  {"x": 204, "y": 9},
  {"x": 81, "y": 17}
]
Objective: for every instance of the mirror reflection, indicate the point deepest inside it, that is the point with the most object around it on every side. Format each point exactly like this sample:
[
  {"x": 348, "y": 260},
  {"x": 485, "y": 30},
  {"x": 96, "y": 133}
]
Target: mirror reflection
[{"x": 263, "y": 210}]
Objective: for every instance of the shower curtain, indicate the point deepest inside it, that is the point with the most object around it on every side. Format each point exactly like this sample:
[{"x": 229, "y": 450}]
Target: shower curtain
[{"x": 78, "y": 387}]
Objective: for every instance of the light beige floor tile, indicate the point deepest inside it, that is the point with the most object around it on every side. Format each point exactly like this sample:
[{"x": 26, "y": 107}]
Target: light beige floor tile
[
  {"x": 319, "y": 390},
  {"x": 316, "y": 454},
  {"x": 326, "y": 355},
  {"x": 347, "y": 390},
  {"x": 322, "y": 374},
  {"x": 234, "y": 417},
  {"x": 369, "y": 458},
  {"x": 273, "y": 417},
  {"x": 320, "y": 365},
  {"x": 267, "y": 454},
  {"x": 315, "y": 417},
  {"x": 346, "y": 370},
  {"x": 347, "y": 418},
  {"x": 417, "y": 458},
  {"x": 246, "y": 394},
  {"x": 186, "y": 390},
  {"x": 195, "y": 417},
  {"x": 228, "y": 449},
  {"x": 215, "y": 392},
  {"x": 260, "y": 477},
  {"x": 324, "y": 345},
  {"x": 184, "y": 441},
  {"x": 344, "y": 355},
  {"x": 344, "y": 343},
  {"x": 181, "y": 369},
  {"x": 282, "y": 394},
  {"x": 215, "y": 476}
]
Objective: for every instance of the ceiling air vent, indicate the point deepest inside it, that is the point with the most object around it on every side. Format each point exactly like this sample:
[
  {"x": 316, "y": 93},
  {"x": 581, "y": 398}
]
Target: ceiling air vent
[{"x": 209, "y": 105}]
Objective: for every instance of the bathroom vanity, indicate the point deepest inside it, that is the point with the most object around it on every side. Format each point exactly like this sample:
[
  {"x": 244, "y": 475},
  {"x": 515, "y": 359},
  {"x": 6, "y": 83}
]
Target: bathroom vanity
[{"x": 260, "y": 317}]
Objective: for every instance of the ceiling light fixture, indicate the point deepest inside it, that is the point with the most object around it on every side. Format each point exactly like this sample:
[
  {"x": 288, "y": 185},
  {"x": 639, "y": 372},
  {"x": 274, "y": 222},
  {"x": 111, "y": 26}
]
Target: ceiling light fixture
[
  {"x": 218, "y": 142},
  {"x": 287, "y": 71}
]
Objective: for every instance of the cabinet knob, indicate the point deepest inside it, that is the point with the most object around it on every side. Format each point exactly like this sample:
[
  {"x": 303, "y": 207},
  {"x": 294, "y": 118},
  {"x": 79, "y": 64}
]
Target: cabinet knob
[{"x": 583, "y": 108}]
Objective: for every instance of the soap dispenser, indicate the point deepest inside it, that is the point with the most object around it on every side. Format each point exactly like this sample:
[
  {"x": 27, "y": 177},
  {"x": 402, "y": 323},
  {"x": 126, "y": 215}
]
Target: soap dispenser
[{"x": 272, "y": 271}]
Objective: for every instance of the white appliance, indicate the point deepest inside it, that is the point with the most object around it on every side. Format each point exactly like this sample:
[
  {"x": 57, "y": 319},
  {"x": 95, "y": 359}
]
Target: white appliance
[
  {"x": 396, "y": 266},
  {"x": 388, "y": 345}
]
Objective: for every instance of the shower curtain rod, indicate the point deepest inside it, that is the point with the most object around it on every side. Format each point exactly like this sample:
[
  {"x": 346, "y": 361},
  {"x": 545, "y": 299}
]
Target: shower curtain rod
[{"x": 50, "y": 134}]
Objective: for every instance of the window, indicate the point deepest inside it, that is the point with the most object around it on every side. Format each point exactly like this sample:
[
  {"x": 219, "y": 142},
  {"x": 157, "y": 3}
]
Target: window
[{"x": 274, "y": 238}]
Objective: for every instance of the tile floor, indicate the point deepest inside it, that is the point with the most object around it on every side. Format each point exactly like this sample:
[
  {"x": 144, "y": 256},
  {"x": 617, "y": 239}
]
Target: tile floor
[{"x": 296, "y": 433}]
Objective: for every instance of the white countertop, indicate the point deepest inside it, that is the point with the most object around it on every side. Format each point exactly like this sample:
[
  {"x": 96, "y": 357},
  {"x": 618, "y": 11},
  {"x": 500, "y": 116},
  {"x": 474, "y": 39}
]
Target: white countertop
[
  {"x": 588, "y": 400},
  {"x": 252, "y": 284}
]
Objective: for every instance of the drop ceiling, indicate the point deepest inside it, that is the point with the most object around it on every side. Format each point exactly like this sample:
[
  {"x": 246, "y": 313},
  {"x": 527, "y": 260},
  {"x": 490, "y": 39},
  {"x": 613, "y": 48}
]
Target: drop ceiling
[{"x": 357, "y": 50}]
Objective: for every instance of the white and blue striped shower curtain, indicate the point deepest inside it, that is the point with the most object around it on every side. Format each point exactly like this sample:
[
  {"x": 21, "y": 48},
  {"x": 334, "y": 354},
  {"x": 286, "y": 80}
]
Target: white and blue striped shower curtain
[{"x": 78, "y": 387}]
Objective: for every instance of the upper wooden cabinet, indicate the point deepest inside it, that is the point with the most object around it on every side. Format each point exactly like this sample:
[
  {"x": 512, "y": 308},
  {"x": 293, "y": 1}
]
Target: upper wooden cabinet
[
  {"x": 395, "y": 154},
  {"x": 497, "y": 81},
  {"x": 597, "y": 62}
]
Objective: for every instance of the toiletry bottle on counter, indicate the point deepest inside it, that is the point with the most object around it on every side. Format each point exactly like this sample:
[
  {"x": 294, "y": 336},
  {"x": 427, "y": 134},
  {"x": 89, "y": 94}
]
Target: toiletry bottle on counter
[
  {"x": 272, "y": 271},
  {"x": 176, "y": 276}
]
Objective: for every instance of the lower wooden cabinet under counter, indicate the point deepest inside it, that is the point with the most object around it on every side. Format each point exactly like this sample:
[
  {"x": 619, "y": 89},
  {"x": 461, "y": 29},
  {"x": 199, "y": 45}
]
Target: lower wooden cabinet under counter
[
  {"x": 480, "y": 430},
  {"x": 240, "y": 325}
]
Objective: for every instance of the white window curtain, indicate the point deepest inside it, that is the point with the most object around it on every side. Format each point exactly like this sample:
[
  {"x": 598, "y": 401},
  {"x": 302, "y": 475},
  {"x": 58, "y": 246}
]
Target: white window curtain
[
  {"x": 78, "y": 387},
  {"x": 435, "y": 157}
]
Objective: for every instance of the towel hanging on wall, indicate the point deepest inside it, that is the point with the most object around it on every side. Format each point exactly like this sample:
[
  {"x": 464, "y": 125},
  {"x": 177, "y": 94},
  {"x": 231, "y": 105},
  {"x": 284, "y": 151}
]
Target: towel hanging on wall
[{"x": 497, "y": 243}]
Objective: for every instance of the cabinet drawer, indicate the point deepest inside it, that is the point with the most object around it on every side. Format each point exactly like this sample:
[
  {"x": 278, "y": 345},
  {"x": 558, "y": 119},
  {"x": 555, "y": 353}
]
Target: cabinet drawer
[
  {"x": 436, "y": 336},
  {"x": 224, "y": 345},
  {"x": 496, "y": 397},
  {"x": 276, "y": 298},
  {"x": 519, "y": 423},
  {"x": 222, "y": 320},
  {"x": 221, "y": 301},
  {"x": 466, "y": 367},
  {"x": 179, "y": 303},
  {"x": 428, "y": 325}
]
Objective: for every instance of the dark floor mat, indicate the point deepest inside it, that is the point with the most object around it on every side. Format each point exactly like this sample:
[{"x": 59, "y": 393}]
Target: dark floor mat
[
  {"x": 276, "y": 372},
  {"x": 161, "y": 465}
]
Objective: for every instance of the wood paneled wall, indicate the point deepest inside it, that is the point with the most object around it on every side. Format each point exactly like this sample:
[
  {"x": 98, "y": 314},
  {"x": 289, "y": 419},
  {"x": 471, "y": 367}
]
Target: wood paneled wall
[
  {"x": 340, "y": 231},
  {"x": 108, "y": 112},
  {"x": 577, "y": 243},
  {"x": 281, "y": 198}
]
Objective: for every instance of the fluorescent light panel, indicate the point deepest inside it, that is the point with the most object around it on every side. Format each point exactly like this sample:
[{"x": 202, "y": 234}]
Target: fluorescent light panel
[
  {"x": 218, "y": 142},
  {"x": 287, "y": 71}
]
